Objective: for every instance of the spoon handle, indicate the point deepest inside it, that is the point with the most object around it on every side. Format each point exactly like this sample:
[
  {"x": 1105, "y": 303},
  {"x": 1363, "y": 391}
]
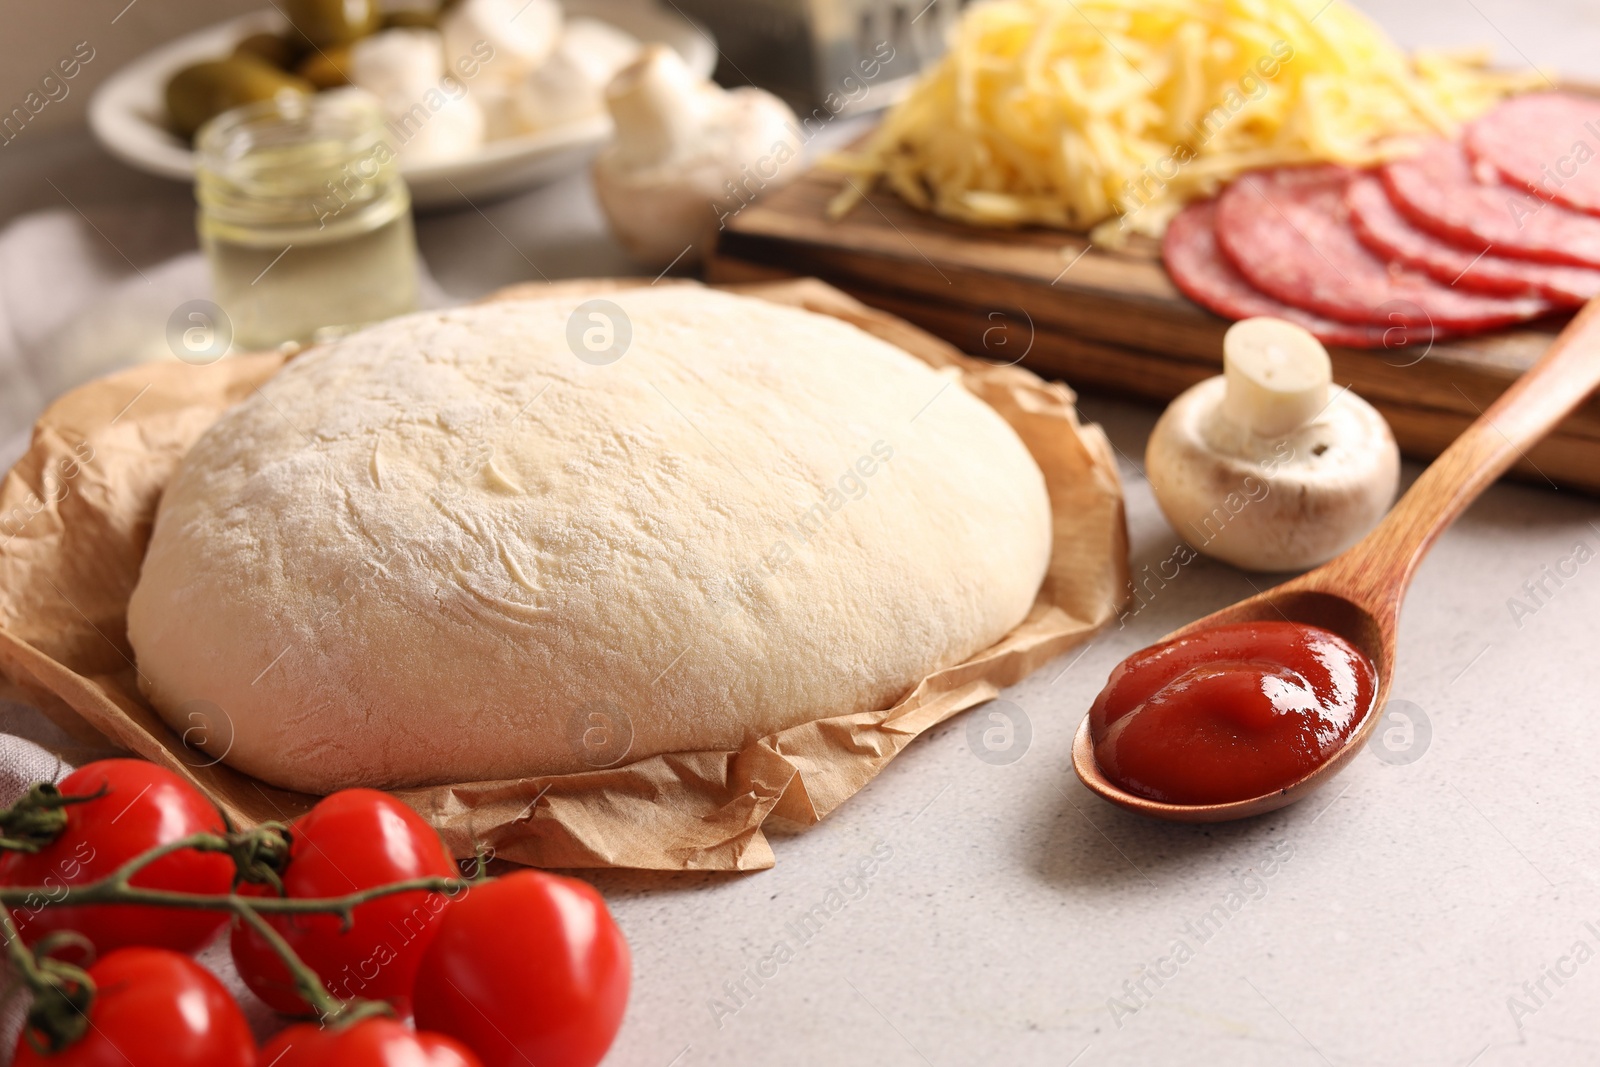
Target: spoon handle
[{"x": 1379, "y": 568}]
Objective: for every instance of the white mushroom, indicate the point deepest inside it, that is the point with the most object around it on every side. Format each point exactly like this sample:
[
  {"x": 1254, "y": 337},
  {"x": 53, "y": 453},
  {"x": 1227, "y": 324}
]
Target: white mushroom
[
  {"x": 571, "y": 84},
  {"x": 600, "y": 47},
  {"x": 397, "y": 63},
  {"x": 1265, "y": 468},
  {"x": 497, "y": 43},
  {"x": 430, "y": 115},
  {"x": 687, "y": 155}
]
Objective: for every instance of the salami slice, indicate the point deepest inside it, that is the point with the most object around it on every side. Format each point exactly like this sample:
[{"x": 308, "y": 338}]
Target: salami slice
[
  {"x": 1288, "y": 231},
  {"x": 1203, "y": 273},
  {"x": 1438, "y": 191},
  {"x": 1384, "y": 230},
  {"x": 1546, "y": 143}
]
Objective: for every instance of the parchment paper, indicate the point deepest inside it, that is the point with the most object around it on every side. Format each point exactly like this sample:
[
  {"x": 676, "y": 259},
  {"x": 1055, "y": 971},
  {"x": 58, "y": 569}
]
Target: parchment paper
[{"x": 76, "y": 513}]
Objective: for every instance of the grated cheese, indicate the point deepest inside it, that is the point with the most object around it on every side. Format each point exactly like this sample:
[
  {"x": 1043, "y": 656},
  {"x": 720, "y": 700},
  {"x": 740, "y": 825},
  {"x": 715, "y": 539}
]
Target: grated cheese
[{"x": 1109, "y": 115}]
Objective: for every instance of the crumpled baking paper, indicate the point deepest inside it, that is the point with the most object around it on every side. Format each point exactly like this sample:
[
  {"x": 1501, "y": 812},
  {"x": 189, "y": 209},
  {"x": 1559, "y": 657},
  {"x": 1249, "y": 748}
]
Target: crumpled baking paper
[{"x": 76, "y": 513}]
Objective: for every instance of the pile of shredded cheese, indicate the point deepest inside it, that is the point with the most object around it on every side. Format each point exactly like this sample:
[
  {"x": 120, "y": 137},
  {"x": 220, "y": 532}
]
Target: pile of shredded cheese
[{"x": 1109, "y": 115}]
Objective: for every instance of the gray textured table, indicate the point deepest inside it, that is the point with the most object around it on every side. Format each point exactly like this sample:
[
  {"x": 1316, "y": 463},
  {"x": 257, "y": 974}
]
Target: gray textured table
[{"x": 1439, "y": 909}]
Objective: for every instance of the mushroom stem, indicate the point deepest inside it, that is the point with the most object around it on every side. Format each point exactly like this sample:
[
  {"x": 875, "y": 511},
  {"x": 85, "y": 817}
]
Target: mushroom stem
[
  {"x": 1263, "y": 465},
  {"x": 657, "y": 105},
  {"x": 1277, "y": 376}
]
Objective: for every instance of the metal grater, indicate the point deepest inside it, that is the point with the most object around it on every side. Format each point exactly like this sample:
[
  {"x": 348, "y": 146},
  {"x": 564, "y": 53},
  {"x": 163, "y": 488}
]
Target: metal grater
[{"x": 846, "y": 56}]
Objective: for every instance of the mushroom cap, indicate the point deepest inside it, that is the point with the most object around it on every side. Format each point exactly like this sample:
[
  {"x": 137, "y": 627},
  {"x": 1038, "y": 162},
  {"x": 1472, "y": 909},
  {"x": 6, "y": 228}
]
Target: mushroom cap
[
  {"x": 515, "y": 35},
  {"x": 1271, "y": 504},
  {"x": 687, "y": 155},
  {"x": 429, "y": 121},
  {"x": 397, "y": 66}
]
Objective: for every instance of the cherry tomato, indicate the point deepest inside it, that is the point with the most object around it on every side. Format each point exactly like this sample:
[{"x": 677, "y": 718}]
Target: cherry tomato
[
  {"x": 529, "y": 968},
  {"x": 144, "y": 806},
  {"x": 154, "y": 1008},
  {"x": 352, "y": 840},
  {"x": 368, "y": 1043}
]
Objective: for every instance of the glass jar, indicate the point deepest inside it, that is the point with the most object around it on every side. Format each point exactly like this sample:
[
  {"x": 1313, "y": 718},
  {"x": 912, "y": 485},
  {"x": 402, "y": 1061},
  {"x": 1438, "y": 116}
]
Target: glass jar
[{"x": 304, "y": 217}]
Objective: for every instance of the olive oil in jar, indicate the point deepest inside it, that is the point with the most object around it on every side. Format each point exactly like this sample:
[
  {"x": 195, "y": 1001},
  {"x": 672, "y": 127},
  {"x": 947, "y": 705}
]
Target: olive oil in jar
[{"x": 304, "y": 218}]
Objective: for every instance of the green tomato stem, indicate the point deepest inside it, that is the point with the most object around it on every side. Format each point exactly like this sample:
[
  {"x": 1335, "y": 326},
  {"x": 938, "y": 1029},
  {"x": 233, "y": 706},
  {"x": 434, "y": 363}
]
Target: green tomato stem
[
  {"x": 63, "y": 992},
  {"x": 114, "y": 888},
  {"x": 329, "y": 1008}
]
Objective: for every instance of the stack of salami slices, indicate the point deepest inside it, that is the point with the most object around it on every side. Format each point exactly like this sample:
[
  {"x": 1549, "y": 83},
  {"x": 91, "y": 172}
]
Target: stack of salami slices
[{"x": 1501, "y": 228}]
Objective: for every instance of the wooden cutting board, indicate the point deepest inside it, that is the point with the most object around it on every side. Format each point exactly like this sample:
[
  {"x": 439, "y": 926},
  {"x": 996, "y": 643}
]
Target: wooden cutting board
[{"x": 1112, "y": 321}]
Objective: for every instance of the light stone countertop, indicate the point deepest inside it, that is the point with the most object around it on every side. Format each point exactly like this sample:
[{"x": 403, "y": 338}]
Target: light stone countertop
[
  {"x": 1386, "y": 920},
  {"x": 1442, "y": 910}
]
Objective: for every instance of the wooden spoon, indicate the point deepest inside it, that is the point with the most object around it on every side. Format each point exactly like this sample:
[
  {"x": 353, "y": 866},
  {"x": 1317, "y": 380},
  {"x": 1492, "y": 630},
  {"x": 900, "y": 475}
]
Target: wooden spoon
[{"x": 1357, "y": 595}]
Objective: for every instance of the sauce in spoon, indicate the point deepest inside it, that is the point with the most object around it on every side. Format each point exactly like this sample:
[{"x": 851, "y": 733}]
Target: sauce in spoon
[
  {"x": 1230, "y": 713},
  {"x": 1222, "y": 750}
]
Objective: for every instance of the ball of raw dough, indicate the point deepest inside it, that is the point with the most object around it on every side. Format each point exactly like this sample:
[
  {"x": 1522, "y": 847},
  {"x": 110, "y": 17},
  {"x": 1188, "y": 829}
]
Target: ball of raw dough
[{"x": 543, "y": 536}]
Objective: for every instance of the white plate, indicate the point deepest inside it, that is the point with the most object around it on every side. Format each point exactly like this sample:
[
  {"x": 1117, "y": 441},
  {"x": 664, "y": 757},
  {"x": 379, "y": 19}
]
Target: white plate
[{"x": 127, "y": 112}]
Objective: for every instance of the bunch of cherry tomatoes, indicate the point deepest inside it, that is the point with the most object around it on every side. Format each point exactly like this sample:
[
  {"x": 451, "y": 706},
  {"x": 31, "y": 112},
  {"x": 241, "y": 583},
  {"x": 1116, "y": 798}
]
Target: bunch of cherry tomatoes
[{"x": 527, "y": 968}]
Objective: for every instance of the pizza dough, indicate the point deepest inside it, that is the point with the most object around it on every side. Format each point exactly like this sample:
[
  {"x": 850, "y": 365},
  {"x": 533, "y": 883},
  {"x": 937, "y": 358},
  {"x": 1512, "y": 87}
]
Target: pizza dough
[{"x": 449, "y": 549}]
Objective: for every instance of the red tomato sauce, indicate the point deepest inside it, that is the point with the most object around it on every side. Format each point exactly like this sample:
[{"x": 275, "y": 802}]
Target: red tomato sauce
[{"x": 1229, "y": 713}]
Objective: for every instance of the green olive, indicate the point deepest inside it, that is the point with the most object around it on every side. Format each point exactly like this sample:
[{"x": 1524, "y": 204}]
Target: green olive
[
  {"x": 326, "y": 68},
  {"x": 269, "y": 48},
  {"x": 199, "y": 93},
  {"x": 330, "y": 22}
]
